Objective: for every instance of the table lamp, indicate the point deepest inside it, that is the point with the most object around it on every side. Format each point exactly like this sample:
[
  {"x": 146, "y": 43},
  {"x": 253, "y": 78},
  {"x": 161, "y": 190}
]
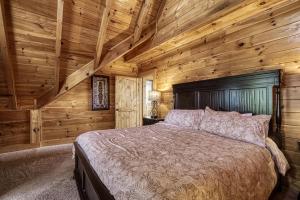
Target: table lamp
[{"x": 154, "y": 97}]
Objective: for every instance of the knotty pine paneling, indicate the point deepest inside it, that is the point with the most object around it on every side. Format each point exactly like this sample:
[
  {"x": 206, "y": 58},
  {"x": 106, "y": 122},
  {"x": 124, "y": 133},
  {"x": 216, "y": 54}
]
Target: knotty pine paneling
[
  {"x": 32, "y": 36},
  {"x": 63, "y": 119},
  {"x": 268, "y": 41},
  {"x": 4, "y": 98},
  {"x": 124, "y": 15},
  {"x": 81, "y": 28},
  {"x": 14, "y": 128},
  {"x": 71, "y": 114},
  {"x": 31, "y": 31},
  {"x": 177, "y": 14}
]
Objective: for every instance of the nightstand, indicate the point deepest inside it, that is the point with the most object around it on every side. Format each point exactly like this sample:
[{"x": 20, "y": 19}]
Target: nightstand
[{"x": 150, "y": 121}]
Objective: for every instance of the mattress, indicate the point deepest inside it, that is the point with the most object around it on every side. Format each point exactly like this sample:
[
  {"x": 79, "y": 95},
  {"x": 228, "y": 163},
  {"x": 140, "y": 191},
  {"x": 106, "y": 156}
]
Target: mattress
[{"x": 163, "y": 161}]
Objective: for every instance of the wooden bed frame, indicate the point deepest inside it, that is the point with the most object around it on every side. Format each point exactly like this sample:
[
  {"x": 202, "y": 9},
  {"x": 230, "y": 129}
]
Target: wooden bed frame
[{"x": 257, "y": 93}]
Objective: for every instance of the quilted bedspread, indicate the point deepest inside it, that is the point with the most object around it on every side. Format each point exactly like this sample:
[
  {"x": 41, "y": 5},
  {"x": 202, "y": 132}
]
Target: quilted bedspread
[{"x": 162, "y": 161}]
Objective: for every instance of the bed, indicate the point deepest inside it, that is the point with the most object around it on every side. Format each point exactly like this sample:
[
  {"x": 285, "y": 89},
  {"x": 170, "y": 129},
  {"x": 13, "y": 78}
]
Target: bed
[{"x": 165, "y": 161}]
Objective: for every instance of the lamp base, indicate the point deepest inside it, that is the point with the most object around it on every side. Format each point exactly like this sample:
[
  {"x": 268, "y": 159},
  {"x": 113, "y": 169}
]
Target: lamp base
[{"x": 154, "y": 113}]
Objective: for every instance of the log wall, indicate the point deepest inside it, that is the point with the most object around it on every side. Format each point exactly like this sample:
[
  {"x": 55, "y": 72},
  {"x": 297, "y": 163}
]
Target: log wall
[
  {"x": 70, "y": 115},
  {"x": 14, "y": 128},
  {"x": 268, "y": 41},
  {"x": 62, "y": 120}
]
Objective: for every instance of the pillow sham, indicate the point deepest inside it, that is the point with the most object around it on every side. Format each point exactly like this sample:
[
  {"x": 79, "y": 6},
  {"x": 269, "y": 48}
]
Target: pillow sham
[
  {"x": 249, "y": 129},
  {"x": 264, "y": 119},
  {"x": 185, "y": 118},
  {"x": 278, "y": 157}
]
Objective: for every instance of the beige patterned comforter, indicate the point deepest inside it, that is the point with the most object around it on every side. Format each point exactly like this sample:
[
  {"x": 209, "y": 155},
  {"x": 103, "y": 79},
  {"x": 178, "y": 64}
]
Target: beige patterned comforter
[{"x": 167, "y": 162}]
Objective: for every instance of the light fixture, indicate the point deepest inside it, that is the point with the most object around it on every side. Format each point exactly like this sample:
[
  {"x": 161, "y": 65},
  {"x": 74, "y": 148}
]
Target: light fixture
[{"x": 154, "y": 97}]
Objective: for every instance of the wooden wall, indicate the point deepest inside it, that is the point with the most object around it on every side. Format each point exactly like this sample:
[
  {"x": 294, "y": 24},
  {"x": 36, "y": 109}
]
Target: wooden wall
[
  {"x": 65, "y": 118},
  {"x": 177, "y": 15},
  {"x": 62, "y": 120},
  {"x": 14, "y": 128},
  {"x": 68, "y": 116},
  {"x": 268, "y": 41},
  {"x": 31, "y": 26},
  {"x": 31, "y": 38}
]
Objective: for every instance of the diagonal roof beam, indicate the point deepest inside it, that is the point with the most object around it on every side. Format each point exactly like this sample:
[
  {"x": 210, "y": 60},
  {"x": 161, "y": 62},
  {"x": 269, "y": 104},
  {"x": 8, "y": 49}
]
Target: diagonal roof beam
[
  {"x": 124, "y": 47},
  {"x": 102, "y": 30},
  {"x": 160, "y": 11},
  {"x": 5, "y": 54},
  {"x": 88, "y": 70},
  {"x": 59, "y": 25},
  {"x": 141, "y": 20},
  {"x": 227, "y": 16}
]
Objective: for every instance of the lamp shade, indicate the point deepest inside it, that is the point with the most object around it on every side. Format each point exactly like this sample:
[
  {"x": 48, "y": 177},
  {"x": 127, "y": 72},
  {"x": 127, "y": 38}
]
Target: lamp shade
[{"x": 154, "y": 95}]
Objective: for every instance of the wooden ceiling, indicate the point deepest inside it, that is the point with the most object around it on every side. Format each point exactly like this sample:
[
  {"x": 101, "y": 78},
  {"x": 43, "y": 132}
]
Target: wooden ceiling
[
  {"x": 178, "y": 31},
  {"x": 32, "y": 39},
  {"x": 54, "y": 45}
]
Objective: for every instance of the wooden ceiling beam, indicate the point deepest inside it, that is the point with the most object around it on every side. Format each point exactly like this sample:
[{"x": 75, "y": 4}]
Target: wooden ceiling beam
[
  {"x": 88, "y": 70},
  {"x": 106, "y": 6},
  {"x": 59, "y": 25},
  {"x": 124, "y": 47},
  {"x": 160, "y": 11},
  {"x": 5, "y": 55},
  {"x": 225, "y": 17},
  {"x": 141, "y": 20}
]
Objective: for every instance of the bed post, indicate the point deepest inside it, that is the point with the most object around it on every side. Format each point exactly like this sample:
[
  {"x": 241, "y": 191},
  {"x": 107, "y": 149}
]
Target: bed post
[
  {"x": 278, "y": 117},
  {"x": 278, "y": 120}
]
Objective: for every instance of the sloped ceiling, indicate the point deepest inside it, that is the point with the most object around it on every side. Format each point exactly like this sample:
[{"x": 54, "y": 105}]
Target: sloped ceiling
[{"x": 31, "y": 28}]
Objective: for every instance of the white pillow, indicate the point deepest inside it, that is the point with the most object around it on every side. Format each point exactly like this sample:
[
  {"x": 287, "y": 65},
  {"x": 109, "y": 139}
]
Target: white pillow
[
  {"x": 247, "y": 114},
  {"x": 185, "y": 118}
]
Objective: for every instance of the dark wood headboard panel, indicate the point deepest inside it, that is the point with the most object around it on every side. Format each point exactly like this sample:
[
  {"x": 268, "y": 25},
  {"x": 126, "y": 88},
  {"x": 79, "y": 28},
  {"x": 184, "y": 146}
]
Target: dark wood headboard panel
[{"x": 257, "y": 93}]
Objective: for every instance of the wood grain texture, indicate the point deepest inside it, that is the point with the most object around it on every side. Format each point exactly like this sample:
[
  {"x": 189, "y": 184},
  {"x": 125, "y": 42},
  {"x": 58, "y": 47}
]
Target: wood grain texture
[
  {"x": 89, "y": 69},
  {"x": 71, "y": 114},
  {"x": 266, "y": 41},
  {"x": 128, "y": 102},
  {"x": 32, "y": 39},
  {"x": 35, "y": 127},
  {"x": 141, "y": 20},
  {"x": 6, "y": 57},
  {"x": 124, "y": 47},
  {"x": 218, "y": 17},
  {"x": 102, "y": 31},
  {"x": 59, "y": 29},
  {"x": 14, "y": 128}
]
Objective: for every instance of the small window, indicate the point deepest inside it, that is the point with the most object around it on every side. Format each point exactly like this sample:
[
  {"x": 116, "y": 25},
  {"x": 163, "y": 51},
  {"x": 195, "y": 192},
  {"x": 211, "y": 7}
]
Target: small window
[{"x": 148, "y": 89}]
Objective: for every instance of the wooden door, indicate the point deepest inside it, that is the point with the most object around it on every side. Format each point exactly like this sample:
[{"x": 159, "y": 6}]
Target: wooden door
[{"x": 128, "y": 102}]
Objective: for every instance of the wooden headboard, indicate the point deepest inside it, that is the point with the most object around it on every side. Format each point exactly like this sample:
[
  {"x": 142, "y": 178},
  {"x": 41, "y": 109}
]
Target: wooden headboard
[{"x": 257, "y": 93}]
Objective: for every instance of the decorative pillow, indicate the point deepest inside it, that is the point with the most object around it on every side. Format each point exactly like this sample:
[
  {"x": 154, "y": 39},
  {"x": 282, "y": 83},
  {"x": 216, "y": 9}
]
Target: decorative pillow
[
  {"x": 185, "y": 118},
  {"x": 232, "y": 125},
  {"x": 278, "y": 157}
]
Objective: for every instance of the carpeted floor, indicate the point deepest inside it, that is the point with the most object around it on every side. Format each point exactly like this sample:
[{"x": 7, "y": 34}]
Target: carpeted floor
[{"x": 42, "y": 174}]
